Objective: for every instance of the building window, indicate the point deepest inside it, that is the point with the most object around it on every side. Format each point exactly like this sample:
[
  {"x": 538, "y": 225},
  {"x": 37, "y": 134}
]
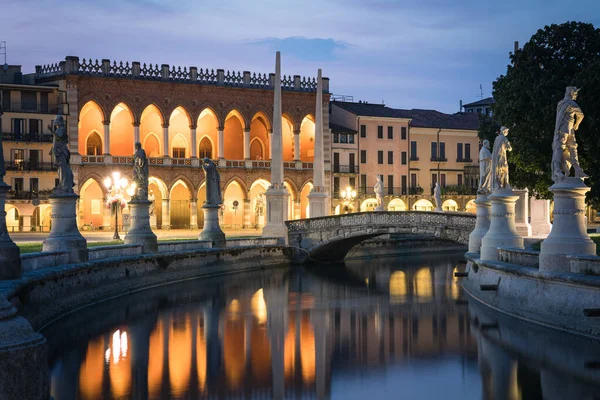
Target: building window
[
  {"x": 459, "y": 151},
  {"x": 205, "y": 148},
  {"x": 413, "y": 151},
  {"x": 336, "y": 186},
  {"x": 390, "y": 132},
  {"x": 35, "y": 157},
  {"x": 18, "y": 185},
  {"x": 352, "y": 182},
  {"x": 18, "y": 157},
  {"x": 413, "y": 180},
  {"x": 363, "y": 156},
  {"x": 94, "y": 145},
  {"x": 34, "y": 187},
  {"x": 460, "y": 180},
  {"x": 351, "y": 163},
  {"x": 434, "y": 151},
  {"x": 336, "y": 138},
  {"x": 403, "y": 133},
  {"x": 390, "y": 157},
  {"x": 351, "y": 139},
  {"x": 442, "y": 151},
  {"x": 336, "y": 162},
  {"x": 363, "y": 131},
  {"x": 467, "y": 152},
  {"x": 363, "y": 183},
  {"x": 343, "y": 138},
  {"x": 178, "y": 152},
  {"x": 443, "y": 180},
  {"x": 35, "y": 126},
  {"x": 380, "y": 157},
  {"x": 379, "y": 132},
  {"x": 404, "y": 157},
  {"x": 29, "y": 101},
  {"x": 390, "y": 184},
  {"x": 404, "y": 179},
  {"x": 18, "y": 127}
]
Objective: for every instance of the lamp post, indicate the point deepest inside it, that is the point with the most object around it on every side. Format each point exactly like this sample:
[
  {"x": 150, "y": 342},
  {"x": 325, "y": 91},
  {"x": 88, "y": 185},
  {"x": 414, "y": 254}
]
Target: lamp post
[
  {"x": 348, "y": 195},
  {"x": 119, "y": 190}
]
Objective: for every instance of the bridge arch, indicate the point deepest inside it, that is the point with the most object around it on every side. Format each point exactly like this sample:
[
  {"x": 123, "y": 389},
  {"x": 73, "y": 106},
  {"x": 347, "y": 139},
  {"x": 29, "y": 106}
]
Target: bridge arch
[{"x": 330, "y": 238}]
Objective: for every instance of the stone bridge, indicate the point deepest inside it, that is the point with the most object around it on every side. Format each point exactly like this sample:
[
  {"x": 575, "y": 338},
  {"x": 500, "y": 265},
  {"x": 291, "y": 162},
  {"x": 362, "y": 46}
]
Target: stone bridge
[{"x": 330, "y": 238}]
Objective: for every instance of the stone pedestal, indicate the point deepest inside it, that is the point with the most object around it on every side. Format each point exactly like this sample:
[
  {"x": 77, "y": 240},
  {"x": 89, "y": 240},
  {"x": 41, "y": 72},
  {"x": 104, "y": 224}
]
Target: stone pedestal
[
  {"x": 23, "y": 357},
  {"x": 277, "y": 200},
  {"x": 482, "y": 223},
  {"x": 569, "y": 232},
  {"x": 153, "y": 221},
  {"x": 522, "y": 212},
  {"x": 139, "y": 231},
  {"x": 502, "y": 232},
  {"x": 10, "y": 254},
  {"x": 540, "y": 217},
  {"x": 317, "y": 203},
  {"x": 212, "y": 230},
  {"x": 64, "y": 235},
  {"x": 379, "y": 208}
]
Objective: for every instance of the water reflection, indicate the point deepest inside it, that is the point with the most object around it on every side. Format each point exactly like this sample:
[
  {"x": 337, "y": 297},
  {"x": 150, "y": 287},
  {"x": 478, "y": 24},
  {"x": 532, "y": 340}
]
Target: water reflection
[{"x": 373, "y": 329}]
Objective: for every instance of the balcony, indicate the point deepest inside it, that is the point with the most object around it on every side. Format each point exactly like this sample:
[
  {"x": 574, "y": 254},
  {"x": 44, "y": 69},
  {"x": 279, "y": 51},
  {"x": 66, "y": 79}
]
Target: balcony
[
  {"x": 30, "y": 165},
  {"x": 345, "y": 169},
  {"x": 37, "y": 108},
  {"x": 27, "y": 137},
  {"x": 394, "y": 191},
  {"x": 439, "y": 159},
  {"x": 27, "y": 195},
  {"x": 465, "y": 160}
]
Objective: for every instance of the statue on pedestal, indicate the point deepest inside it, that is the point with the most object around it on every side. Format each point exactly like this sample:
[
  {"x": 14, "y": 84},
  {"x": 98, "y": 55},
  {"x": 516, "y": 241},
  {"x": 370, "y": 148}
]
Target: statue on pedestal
[
  {"x": 213, "y": 183},
  {"x": 437, "y": 194},
  {"x": 140, "y": 173},
  {"x": 564, "y": 145},
  {"x": 485, "y": 169},
  {"x": 2, "y": 168},
  {"x": 379, "y": 191},
  {"x": 151, "y": 199},
  {"x": 62, "y": 156},
  {"x": 500, "y": 161}
]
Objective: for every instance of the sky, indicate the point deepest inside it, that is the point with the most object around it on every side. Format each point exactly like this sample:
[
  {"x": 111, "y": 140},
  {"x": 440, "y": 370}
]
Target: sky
[{"x": 426, "y": 54}]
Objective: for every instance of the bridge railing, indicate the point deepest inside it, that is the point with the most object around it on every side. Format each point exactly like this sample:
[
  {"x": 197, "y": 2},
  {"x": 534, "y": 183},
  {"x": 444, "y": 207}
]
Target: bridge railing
[{"x": 465, "y": 221}]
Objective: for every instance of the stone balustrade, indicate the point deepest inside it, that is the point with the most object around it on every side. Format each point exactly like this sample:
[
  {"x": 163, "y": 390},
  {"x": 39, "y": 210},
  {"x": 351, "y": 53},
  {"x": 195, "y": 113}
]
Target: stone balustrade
[
  {"x": 167, "y": 73},
  {"x": 121, "y": 250},
  {"x": 259, "y": 241},
  {"x": 185, "y": 245},
  {"x": 33, "y": 261},
  {"x": 586, "y": 265},
  {"x": 524, "y": 257}
]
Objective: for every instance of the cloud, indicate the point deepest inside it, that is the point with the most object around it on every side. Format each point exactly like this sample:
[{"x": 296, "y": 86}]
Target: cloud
[{"x": 305, "y": 49}]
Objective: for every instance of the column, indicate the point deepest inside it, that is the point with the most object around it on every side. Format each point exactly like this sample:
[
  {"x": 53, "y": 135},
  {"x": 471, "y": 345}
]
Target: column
[
  {"x": 297, "y": 209},
  {"x": 165, "y": 141},
  {"x": 296, "y": 144},
  {"x": 194, "y": 144},
  {"x": 106, "y": 124},
  {"x": 522, "y": 212},
  {"x": 194, "y": 214},
  {"x": 269, "y": 150},
  {"x": 317, "y": 199},
  {"x": 247, "y": 144},
  {"x": 482, "y": 223},
  {"x": 166, "y": 214},
  {"x": 247, "y": 216},
  {"x": 277, "y": 195},
  {"x": 221, "y": 145},
  {"x": 136, "y": 134},
  {"x": 26, "y": 223}
]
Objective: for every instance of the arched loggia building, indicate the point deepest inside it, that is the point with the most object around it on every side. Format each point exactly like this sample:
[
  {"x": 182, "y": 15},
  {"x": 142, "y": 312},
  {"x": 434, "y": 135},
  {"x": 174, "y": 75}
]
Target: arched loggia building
[{"x": 181, "y": 116}]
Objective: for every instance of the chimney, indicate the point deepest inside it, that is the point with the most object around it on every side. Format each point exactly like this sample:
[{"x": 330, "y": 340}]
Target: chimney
[
  {"x": 461, "y": 107},
  {"x": 516, "y": 46}
]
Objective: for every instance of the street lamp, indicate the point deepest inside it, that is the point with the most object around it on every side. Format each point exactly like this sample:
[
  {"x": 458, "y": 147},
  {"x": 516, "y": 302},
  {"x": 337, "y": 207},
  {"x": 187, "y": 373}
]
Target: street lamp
[
  {"x": 119, "y": 192},
  {"x": 348, "y": 195}
]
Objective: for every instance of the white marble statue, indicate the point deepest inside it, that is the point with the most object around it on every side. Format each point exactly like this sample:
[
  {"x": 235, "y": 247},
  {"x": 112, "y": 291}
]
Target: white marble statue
[
  {"x": 485, "y": 168},
  {"x": 140, "y": 173},
  {"x": 62, "y": 156},
  {"x": 564, "y": 145},
  {"x": 500, "y": 161},
  {"x": 213, "y": 183},
  {"x": 2, "y": 168},
  {"x": 151, "y": 199},
  {"x": 379, "y": 191},
  {"x": 437, "y": 195}
]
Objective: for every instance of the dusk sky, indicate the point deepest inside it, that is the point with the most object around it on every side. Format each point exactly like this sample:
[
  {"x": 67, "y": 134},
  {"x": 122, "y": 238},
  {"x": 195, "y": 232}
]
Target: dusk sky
[{"x": 409, "y": 53}]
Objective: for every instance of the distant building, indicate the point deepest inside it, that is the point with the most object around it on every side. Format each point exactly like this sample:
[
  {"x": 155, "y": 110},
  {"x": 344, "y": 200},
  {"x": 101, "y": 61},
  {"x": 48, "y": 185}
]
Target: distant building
[
  {"x": 396, "y": 143},
  {"x": 480, "y": 107}
]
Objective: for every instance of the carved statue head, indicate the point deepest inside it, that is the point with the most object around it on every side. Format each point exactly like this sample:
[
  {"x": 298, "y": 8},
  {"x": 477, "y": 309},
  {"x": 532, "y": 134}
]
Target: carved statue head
[
  {"x": 379, "y": 178},
  {"x": 138, "y": 146},
  {"x": 504, "y": 131},
  {"x": 59, "y": 121},
  {"x": 572, "y": 92},
  {"x": 486, "y": 143},
  {"x": 206, "y": 160}
]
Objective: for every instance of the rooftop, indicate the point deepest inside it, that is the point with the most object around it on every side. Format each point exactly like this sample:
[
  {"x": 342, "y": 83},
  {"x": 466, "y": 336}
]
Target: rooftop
[
  {"x": 484, "y": 102},
  {"x": 419, "y": 118},
  {"x": 335, "y": 128}
]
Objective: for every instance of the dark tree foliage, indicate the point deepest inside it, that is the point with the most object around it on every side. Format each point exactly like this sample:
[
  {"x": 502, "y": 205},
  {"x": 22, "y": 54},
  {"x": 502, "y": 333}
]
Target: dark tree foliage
[{"x": 526, "y": 97}]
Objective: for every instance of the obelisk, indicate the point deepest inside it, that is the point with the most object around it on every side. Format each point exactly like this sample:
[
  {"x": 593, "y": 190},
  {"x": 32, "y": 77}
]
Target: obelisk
[
  {"x": 317, "y": 199},
  {"x": 276, "y": 195}
]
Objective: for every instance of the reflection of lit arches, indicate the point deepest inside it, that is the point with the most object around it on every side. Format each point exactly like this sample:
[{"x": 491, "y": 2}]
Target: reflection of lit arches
[
  {"x": 368, "y": 205},
  {"x": 398, "y": 286},
  {"x": 396, "y": 205},
  {"x": 423, "y": 284},
  {"x": 258, "y": 306},
  {"x": 180, "y": 355},
  {"x": 449, "y": 205},
  {"x": 94, "y": 144},
  {"x": 471, "y": 207},
  {"x": 423, "y": 205}
]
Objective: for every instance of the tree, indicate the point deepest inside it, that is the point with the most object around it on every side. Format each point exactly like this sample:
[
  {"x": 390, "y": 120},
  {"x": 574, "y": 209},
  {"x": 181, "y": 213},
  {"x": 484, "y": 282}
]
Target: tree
[{"x": 526, "y": 97}]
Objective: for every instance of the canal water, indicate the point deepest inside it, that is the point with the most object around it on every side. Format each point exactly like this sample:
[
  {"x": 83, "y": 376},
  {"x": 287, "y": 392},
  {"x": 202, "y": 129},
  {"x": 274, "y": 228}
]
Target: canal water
[{"x": 397, "y": 327}]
